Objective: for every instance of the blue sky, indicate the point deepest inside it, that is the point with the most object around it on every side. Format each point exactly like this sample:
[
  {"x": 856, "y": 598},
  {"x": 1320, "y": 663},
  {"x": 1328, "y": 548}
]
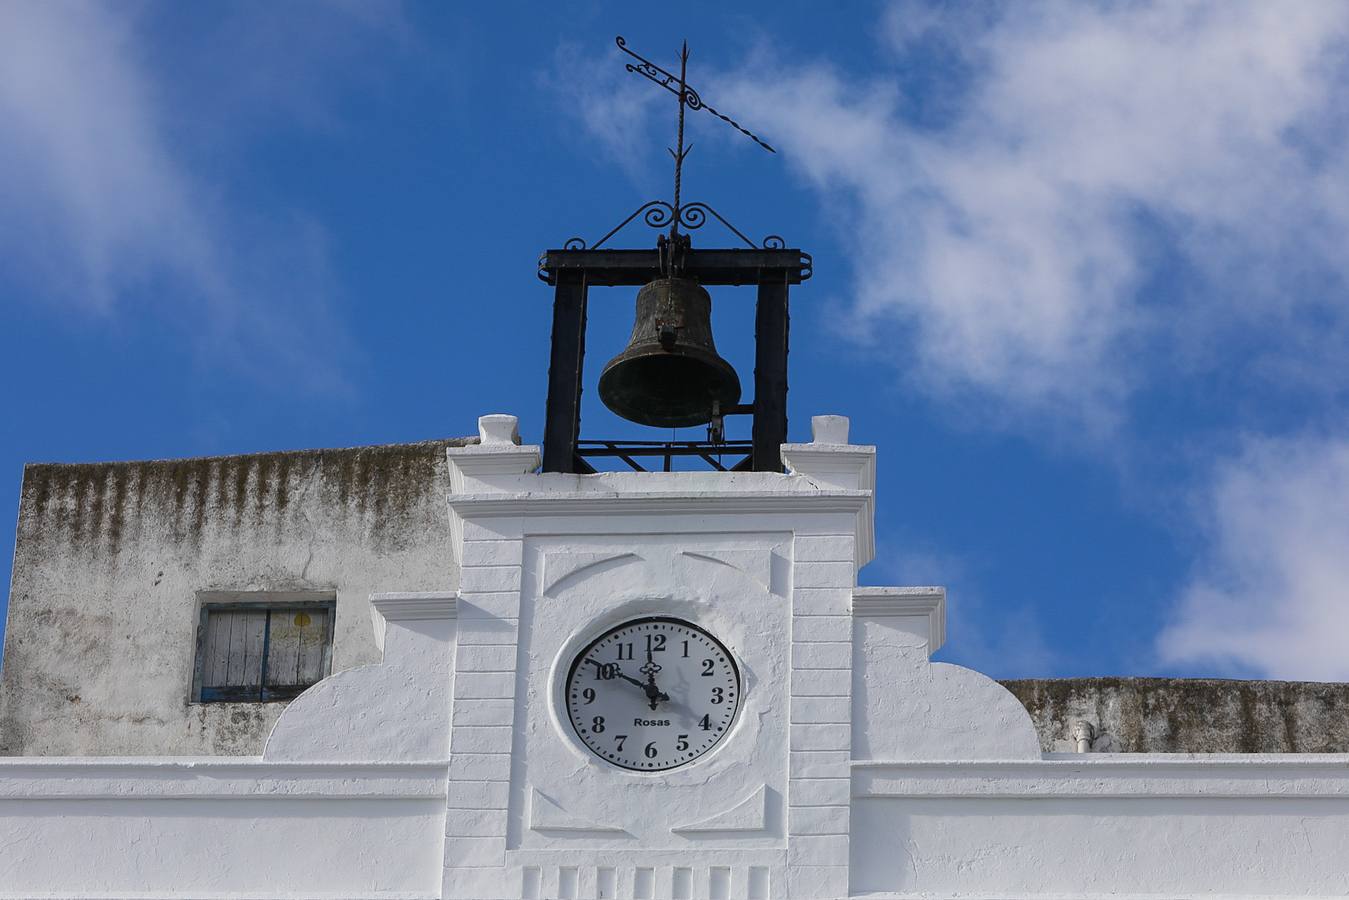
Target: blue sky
[{"x": 1080, "y": 270}]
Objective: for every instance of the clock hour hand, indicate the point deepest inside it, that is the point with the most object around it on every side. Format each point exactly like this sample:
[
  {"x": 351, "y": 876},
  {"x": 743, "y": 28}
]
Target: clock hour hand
[{"x": 654, "y": 695}]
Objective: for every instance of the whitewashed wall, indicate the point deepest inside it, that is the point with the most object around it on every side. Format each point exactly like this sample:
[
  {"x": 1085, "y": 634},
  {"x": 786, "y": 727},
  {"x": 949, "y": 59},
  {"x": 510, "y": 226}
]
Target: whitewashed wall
[
  {"x": 858, "y": 767},
  {"x": 211, "y": 828}
]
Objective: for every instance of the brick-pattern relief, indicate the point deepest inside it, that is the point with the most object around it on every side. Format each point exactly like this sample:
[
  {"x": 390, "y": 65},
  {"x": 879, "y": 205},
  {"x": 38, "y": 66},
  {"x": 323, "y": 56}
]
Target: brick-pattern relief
[
  {"x": 645, "y": 882},
  {"x": 823, "y": 576},
  {"x": 482, "y": 713}
]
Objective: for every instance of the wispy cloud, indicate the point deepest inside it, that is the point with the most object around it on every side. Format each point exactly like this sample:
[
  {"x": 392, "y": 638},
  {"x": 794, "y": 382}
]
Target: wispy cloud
[
  {"x": 613, "y": 107},
  {"x": 106, "y": 210},
  {"x": 1271, "y": 596},
  {"x": 1076, "y": 218},
  {"x": 1118, "y": 192}
]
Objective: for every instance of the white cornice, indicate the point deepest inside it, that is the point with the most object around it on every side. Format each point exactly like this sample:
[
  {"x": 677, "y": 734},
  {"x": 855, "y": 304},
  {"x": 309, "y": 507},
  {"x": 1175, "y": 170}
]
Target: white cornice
[
  {"x": 410, "y": 606},
  {"x": 413, "y": 606},
  {"x": 659, "y": 503},
  {"x": 1100, "y": 775},
  {"x": 882, "y": 602},
  {"x": 135, "y": 778},
  {"x": 840, "y": 466},
  {"x": 478, "y": 465}
]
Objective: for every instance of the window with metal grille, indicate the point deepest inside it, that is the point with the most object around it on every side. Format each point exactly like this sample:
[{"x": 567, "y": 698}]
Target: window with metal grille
[{"x": 259, "y": 647}]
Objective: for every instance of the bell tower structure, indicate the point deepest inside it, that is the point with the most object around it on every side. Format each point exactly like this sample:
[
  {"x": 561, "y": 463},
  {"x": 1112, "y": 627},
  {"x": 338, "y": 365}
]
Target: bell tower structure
[
  {"x": 653, "y": 679},
  {"x": 670, "y": 375},
  {"x": 662, "y": 680}
]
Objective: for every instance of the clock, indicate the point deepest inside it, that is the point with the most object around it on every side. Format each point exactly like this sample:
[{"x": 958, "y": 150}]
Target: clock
[{"x": 652, "y": 694}]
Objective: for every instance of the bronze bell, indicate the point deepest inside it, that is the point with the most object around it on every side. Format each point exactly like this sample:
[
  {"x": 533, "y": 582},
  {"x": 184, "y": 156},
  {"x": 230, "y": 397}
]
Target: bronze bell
[{"x": 670, "y": 375}]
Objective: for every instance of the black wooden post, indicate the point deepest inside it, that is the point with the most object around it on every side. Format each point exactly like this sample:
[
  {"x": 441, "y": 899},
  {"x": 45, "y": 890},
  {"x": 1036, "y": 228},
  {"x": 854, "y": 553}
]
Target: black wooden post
[
  {"x": 770, "y": 373},
  {"x": 562, "y": 421},
  {"x": 574, "y": 271}
]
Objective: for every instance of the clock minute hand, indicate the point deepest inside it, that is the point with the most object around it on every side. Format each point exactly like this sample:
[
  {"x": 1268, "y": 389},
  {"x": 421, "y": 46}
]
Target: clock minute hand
[{"x": 619, "y": 672}]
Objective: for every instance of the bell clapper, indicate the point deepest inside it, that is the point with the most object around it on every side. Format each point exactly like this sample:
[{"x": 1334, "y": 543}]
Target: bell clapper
[{"x": 716, "y": 427}]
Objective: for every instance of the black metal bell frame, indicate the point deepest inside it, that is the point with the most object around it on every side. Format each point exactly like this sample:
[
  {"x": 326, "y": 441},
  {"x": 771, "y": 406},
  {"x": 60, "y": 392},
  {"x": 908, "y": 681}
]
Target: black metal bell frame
[{"x": 670, "y": 375}]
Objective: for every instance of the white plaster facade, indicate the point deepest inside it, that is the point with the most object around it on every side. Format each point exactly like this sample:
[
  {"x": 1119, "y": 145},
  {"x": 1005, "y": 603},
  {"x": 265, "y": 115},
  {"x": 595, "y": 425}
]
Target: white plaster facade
[{"x": 856, "y": 767}]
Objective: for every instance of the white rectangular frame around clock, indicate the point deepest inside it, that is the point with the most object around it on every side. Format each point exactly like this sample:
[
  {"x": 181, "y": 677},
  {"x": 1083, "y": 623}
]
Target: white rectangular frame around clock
[{"x": 563, "y": 796}]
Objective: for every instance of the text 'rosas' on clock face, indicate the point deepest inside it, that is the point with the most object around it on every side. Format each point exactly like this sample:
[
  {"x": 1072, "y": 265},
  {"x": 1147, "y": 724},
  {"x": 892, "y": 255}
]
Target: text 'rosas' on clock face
[{"x": 652, "y": 694}]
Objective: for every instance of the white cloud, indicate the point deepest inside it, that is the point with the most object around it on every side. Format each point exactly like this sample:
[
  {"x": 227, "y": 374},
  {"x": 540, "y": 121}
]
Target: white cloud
[
  {"x": 1007, "y": 239},
  {"x": 87, "y": 170},
  {"x": 1272, "y": 596},
  {"x": 613, "y": 106},
  {"x": 106, "y": 211},
  {"x": 1054, "y": 209}
]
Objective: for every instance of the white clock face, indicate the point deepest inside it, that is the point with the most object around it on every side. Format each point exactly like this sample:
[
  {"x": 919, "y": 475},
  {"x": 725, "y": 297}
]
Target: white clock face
[{"x": 652, "y": 694}]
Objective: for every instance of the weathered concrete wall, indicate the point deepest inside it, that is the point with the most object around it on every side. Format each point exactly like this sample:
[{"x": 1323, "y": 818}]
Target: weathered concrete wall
[
  {"x": 1182, "y": 715},
  {"x": 100, "y": 642}
]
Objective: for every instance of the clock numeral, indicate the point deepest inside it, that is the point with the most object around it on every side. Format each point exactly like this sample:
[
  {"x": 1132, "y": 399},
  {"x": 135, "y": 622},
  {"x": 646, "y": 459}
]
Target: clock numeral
[{"x": 613, "y": 655}]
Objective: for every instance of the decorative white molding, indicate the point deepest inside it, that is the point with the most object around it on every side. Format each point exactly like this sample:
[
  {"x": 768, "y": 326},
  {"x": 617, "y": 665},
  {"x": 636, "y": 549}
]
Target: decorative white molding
[
  {"x": 545, "y": 816},
  {"x": 662, "y": 503},
  {"x": 1271, "y": 776},
  {"x": 849, "y": 467},
  {"x": 755, "y": 564},
  {"x": 883, "y": 602},
  {"x": 415, "y": 605},
  {"x": 559, "y": 566},
  {"x": 135, "y": 779},
  {"x": 750, "y": 814},
  {"x": 409, "y": 607},
  {"x": 497, "y": 453}
]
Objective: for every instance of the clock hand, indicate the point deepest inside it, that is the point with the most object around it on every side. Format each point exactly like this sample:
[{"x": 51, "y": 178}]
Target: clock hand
[
  {"x": 653, "y": 694},
  {"x": 619, "y": 672}
]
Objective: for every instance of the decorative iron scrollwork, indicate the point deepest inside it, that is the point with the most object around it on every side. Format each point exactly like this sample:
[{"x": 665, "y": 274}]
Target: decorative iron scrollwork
[{"x": 659, "y": 214}]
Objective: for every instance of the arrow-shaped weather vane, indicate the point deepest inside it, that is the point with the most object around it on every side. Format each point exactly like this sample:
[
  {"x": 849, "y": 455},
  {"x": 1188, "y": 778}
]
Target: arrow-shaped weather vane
[{"x": 688, "y": 99}]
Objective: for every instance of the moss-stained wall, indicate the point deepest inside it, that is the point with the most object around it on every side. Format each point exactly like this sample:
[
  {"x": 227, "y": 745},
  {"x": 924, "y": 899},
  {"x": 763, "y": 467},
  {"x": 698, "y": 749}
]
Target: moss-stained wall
[
  {"x": 1191, "y": 715},
  {"x": 100, "y": 642}
]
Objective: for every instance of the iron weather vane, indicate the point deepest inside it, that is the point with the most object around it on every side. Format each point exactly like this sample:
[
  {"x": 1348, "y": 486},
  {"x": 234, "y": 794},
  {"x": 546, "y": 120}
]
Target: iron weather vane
[{"x": 659, "y": 213}]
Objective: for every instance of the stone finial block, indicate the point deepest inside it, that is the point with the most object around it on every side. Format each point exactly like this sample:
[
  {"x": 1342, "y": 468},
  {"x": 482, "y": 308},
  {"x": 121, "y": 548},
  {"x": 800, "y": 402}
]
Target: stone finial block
[
  {"x": 498, "y": 429},
  {"x": 493, "y": 464},
  {"x": 829, "y": 429},
  {"x": 831, "y": 463}
]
